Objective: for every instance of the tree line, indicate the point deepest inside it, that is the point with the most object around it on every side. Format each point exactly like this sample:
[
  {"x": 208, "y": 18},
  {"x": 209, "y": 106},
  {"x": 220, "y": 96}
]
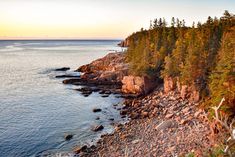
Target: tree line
[{"x": 202, "y": 55}]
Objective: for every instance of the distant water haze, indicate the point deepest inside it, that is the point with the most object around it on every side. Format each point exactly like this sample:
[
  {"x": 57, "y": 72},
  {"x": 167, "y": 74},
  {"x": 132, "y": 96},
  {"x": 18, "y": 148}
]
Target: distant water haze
[{"x": 36, "y": 110}]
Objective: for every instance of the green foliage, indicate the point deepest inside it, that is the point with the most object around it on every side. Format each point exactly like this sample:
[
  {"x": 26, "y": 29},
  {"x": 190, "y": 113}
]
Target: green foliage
[
  {"x": 190, "y": 155},
  {"x": 201, "y": 56},
  {"x": 216, "y": 152},
  {"x": 222, "y": 79}
]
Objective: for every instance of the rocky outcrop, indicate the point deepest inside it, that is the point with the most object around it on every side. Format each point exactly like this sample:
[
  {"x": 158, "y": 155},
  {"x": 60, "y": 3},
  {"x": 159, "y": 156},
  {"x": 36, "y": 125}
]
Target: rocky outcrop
[
  {"x": 186, "y": 92},
  {"x": 138, "y": 85},
  {"x": 124, "y": 43},
  {"x": 103, "y": 75},
  {"x": 67, "y": 76},
  {"x": 97, "y": 128},
  {"x": 111, "y": 68},
  {"x": 169, "y": 84},
  {"x": 68, "y": 137},
  {"x": 111, "y": 72},
  {"x": 63, "y": 69},
  {"x": 190, "y": 92}
]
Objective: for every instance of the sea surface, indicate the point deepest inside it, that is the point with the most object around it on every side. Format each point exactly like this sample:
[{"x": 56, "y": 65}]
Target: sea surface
[{"x": 36, "y": 109}]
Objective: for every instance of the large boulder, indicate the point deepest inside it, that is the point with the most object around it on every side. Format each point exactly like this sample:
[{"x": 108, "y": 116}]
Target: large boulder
[
  {"x": 169, "y": 84},
  {"x": 190, "y": 92},
  {"x": 137, "y": 85}
]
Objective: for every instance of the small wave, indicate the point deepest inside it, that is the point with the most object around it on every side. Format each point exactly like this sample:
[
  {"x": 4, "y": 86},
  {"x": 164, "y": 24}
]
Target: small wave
[
  {"x": 11, "y": 48},
  {"x": 62, "y": 48},
  {"x": 47, "y": 71},
  {"x": 56, "y": 154},
  {"x": 26, "y": 44}
]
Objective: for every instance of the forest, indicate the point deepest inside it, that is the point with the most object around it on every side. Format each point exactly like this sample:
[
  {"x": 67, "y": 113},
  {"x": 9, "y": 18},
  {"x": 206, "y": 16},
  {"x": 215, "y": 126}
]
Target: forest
[{"x": 202, "y": 56}]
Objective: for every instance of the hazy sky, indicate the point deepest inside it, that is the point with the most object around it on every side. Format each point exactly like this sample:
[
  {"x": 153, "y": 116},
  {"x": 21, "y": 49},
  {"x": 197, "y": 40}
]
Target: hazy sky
[{"x": 103, "y": 19}]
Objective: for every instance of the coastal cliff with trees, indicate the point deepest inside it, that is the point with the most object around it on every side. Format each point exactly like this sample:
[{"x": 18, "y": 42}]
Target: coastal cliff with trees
[
  {"x": 179, "y": 88},
  {"x": 198, "y": 61}
]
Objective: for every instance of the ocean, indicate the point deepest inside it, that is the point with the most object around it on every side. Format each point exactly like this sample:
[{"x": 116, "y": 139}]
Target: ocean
[{"x": 37, "y": 109}]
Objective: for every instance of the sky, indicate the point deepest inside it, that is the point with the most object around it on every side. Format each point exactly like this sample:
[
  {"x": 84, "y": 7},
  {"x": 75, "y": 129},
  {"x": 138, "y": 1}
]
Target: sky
[{"x": 97, "y": 19}]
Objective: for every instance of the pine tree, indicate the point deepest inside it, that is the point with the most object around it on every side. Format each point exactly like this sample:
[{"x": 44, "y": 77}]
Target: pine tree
[{"x": 222, "y": 79}]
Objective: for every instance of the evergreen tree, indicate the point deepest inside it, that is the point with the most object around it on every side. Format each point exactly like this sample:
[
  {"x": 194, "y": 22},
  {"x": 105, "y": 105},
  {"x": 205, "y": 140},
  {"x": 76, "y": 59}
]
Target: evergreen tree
[{"x": 222, "y": 79}]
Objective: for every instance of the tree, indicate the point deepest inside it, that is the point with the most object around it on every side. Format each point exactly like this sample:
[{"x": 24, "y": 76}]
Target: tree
[{"x": 222, "y": 79}]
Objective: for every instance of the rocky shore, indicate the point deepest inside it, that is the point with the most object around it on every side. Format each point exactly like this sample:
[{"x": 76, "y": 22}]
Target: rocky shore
[
  {"x": 110, "y": 75},
  {"x": 161, "y": 125},
  {"x": 162, "y": 120}
]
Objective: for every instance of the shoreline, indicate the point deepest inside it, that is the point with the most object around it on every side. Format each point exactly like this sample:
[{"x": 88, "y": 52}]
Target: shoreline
[
  {"x": 161, "y": 124},
  {"x": 166, "y": 125}
]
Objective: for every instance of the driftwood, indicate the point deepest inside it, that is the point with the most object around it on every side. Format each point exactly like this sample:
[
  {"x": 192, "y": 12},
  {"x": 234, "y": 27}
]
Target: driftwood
[{"x": 229, "y": 127}]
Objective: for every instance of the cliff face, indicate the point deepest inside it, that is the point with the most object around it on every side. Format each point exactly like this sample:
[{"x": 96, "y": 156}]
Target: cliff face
[
  {"x": 192, "y": 92},
  {"x": 124, "y": 43},
  {"x": 113, "y": 70}
]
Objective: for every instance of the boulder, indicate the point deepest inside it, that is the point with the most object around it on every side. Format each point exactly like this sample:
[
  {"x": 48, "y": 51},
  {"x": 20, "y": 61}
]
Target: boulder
[
  {"x": 77, "y": 150},
  {"x": 190, "y": 92},
  {"x": 96, "y": 110},
  {"x": 184, "y": 91},
  {"x": 68, "y": 137},
  {"x": 169, "y": 84},
  {"x": 102, "y": 92},
  {"x": 97, "y": 128},
  {"x": 86, "y": 91},
  {"x": 194, "y": 95},
  {"x": 63, "y": 69},
  {"x": 67, "y": 76},
  {"x": 107, "y": 92},
  {"x": 165, "y": 125},
  {"x": 105, "y": 95},
  {"x": 137, "y": 85},
  {"x": 71, "y": 81},
  {"x": 123, "y": 112},
  {"x": 111, "y": 119}
]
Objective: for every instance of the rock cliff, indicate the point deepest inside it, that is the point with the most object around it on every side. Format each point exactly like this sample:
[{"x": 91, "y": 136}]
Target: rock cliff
[{"x": 113, "y": 70}]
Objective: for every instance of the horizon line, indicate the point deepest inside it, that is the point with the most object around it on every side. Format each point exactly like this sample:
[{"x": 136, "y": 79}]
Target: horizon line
[{"x": 45, "y": 39}]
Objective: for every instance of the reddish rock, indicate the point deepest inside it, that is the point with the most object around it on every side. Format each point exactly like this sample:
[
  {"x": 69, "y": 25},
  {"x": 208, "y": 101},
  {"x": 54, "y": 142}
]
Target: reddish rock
[
  {"x": 183, "y": 121},
  {"x": 190, "y": 92},
  {"x": 144, "y": 114},
  {"x": 194, "y": 96},
  {"x": 169, "y": 115},
  {"x": 97, "y": 128},
  {"x": 184, "y": 91},
  {"x": 185, "y": 110},
  {"x": 137, "y": 85},
  {"x": 77, "y": 150},
  {"x": 169, "y": 84},
  {"x": 108, "y": 70},
  {"x": 124, "y": 43},
  {"x": 197, "y": 113}
]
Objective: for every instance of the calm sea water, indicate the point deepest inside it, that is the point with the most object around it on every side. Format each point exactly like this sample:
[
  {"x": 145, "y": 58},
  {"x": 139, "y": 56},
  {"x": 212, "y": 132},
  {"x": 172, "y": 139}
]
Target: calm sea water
[{"x": 36, "y": 110}]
